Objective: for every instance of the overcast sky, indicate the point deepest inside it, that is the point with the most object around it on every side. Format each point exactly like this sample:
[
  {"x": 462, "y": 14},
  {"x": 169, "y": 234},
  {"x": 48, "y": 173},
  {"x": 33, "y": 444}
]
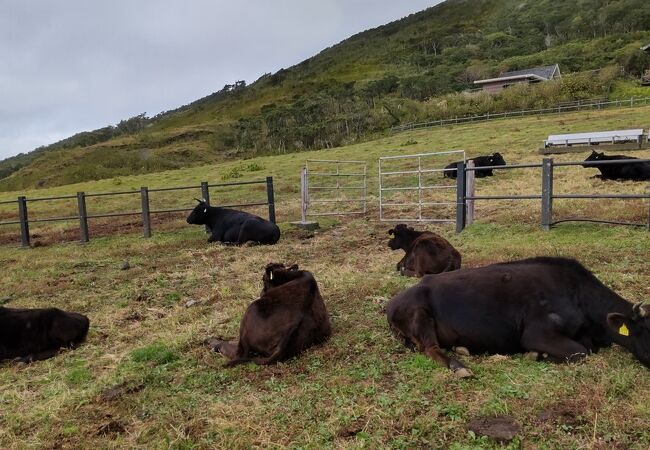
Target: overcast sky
[{"x": 73, "y": 65}]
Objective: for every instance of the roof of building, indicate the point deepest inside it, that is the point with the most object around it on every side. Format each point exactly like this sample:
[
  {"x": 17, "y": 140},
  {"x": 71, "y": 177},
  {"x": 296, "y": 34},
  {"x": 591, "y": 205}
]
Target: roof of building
[{"x": 542, "y": 73}]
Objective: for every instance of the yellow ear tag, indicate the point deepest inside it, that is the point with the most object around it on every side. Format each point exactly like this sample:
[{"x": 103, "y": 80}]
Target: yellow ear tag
[
  {"x": 391, "y": 235},
  {"x": 623, "y": 331}
]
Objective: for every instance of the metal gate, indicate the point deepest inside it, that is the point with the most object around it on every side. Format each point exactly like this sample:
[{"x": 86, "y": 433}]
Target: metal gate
[
  {"x": 333, "y": 188},
  {"x": 416, "y": 184}
]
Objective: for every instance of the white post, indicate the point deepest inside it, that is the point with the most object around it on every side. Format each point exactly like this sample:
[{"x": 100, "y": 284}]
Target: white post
[
  {"x": 303, "y": 194},
  {"x": 471, "y": 187}
]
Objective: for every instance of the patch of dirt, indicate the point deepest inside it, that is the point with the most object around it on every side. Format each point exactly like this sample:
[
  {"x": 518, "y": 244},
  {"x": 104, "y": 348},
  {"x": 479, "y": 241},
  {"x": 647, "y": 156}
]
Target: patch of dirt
[
  {"x": 352, "y": 429},
  {"x": 561, "y": 414},
  {"x": 110, "y": 427},
  {"x": 118, "y": 391},
  {"x": 500, "y": 428},
  {"x": 98, "y": 228}
]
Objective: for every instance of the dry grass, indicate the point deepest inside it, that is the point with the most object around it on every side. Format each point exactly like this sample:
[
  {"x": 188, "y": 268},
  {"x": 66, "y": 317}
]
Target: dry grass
[{"x": 143, "y": 378}]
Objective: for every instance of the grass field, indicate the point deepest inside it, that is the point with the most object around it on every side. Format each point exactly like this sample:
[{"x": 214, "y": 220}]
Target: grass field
[{"x": 143, "y": 379}]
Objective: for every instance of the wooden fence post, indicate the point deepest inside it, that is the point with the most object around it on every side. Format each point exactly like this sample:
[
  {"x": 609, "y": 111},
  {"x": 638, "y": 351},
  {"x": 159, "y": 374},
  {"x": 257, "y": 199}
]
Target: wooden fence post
[
  {"x": 24, "y": 221},
  {"x": 146, "y": 216},
  {"x": 83, "y": 218},
  {"x": 271, "y": 198},
  {"x": 205, "y": 192},
  {"x": 205, "y": 195},
  {"x": 547, "y": 193},
  {"x": 460, "y": 197}
]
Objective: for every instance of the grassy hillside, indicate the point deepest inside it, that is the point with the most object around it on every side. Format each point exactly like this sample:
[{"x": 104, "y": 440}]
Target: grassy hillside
[
  {"x": 404, "y": 71},
  {"x": 144, "y": 380}
]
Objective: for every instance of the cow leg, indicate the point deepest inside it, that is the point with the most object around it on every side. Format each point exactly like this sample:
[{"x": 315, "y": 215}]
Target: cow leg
[
  {"x": 226, "y": 348},
  {"x": 423, "y": 334},
  {"x": 400, "y": 264},
  {"x": 543, "y": 338},
  {"x": 46, "y": 354}
]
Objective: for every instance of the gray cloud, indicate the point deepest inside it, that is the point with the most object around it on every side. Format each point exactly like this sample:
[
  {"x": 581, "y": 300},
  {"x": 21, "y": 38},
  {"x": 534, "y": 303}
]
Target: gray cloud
[{"x": 73, "y": 65}]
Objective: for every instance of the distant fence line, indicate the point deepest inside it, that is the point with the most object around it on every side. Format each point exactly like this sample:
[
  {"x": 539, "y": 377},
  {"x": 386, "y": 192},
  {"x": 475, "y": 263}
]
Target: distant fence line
[
  {"x": 546, "y": 196},
  {"x": 145, "y": 211},
  {"x": 563, "y": 107}
]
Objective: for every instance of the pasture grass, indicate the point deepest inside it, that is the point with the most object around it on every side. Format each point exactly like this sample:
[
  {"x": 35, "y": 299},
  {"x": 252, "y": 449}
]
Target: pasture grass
[{"x": 144, "y": 379}]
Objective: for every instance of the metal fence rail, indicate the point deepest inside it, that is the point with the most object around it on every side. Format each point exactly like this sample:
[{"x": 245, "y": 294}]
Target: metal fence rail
[
  {"x": 547, "y": 195},
  {"x": 561, "y": 108},
  {"x": 82, "y": 213},
  {"x": 335, "y": 170},
  {"x": 420, "y": 187}
]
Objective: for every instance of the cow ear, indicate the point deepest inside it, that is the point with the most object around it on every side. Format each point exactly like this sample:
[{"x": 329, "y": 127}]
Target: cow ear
[
  {"x": 619, "y": 323},
  {"x": 294, "y": 267}
]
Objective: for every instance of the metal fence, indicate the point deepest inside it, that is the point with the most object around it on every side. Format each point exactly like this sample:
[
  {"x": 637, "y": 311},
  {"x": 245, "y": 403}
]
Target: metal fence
[
  {"x": 547, "y": 196},
  {"x": 561, "y": 108},
  {"x": 339, "y": 188},
  {"x": 145, "y": 212},
  {"x": 416, "y": 182}
]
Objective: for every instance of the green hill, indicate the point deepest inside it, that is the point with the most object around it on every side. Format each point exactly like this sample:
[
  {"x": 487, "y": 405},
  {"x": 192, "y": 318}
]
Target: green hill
[{"x": 404, "y": 71}]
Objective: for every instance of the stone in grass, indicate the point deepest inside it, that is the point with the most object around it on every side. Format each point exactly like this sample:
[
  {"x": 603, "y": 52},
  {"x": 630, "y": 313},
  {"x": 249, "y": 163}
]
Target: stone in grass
[
  {"x": 190, "y": 303},
  {"x": 307, "y": 226},
  {"x": 499, "y": 428},
  {"x": 125, "y": 265}
]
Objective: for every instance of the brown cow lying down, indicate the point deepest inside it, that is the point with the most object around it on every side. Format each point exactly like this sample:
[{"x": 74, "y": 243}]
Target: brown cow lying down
[
  {"x": 288, "y": 317},
  {"x": 34, "y": 334},
  {"x": 426, "y": 252}
]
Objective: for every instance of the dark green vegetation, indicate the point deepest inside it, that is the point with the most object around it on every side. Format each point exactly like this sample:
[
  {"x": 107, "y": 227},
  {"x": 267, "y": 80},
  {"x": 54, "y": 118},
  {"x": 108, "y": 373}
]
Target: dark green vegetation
[{"x": 404, "y": 71}]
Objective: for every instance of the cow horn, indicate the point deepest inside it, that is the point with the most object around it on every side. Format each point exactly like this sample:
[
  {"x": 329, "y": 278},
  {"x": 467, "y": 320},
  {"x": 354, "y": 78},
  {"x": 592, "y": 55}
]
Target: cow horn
[
  {"x": 638, "y": 310},
  {"x": 200, "y": 201}
]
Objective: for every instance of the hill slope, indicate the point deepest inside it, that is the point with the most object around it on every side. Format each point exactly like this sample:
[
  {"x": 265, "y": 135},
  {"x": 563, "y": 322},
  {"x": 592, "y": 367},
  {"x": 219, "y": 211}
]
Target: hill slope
[{"x": 360, "y": 87}]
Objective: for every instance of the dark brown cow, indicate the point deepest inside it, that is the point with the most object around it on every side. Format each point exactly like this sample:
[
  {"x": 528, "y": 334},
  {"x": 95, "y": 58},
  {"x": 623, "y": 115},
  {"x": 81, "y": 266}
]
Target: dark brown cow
[
  {"x": 289, "y": 316},
  {"x": 426, "y": 252},
  {"x": 33, "y": 334},
  {"x": 552, "y": 307}
]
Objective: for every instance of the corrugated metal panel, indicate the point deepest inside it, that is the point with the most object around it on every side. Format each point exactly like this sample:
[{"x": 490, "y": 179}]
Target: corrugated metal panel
[{"x": 613, "y": 136}]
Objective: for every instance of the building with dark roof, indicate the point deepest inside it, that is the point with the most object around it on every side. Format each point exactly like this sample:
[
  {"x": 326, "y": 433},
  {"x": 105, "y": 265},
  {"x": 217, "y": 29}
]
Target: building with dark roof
[{"x": 532, "y": 75}]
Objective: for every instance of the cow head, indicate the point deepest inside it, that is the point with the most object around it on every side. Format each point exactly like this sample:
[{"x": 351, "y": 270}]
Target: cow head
[
  {"x": 634, "y": 330},
  {"x": 400, "y": 237},
  {"x": 276, "y": 274},
  {"x": 595, "y": 156},
  {"x": 68, "y": 329},
  {"x": 199, "y": 214},
  {"x": 497, "y": 160}
]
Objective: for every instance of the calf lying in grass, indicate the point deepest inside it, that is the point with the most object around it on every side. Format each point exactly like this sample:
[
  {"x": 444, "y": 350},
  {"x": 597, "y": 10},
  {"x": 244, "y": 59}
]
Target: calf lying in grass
[
  {"x": 289, "y": 317},
  {"x": 35, "y": 334},
  {"x": 426, "y": 252}
]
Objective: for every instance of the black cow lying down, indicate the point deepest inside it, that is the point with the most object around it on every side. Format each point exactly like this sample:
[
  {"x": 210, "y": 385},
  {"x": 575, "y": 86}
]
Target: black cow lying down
[
  {"x": 624, "y": 171},
  {"x": 480, "y": 161},
  {"x": 552, "y": 306},
  {"x": 289, "y": 317},
  {"x": 35, "y": 334},
  {"x": 232, "y": 226},
  {"x": 426, "y": 252}
]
